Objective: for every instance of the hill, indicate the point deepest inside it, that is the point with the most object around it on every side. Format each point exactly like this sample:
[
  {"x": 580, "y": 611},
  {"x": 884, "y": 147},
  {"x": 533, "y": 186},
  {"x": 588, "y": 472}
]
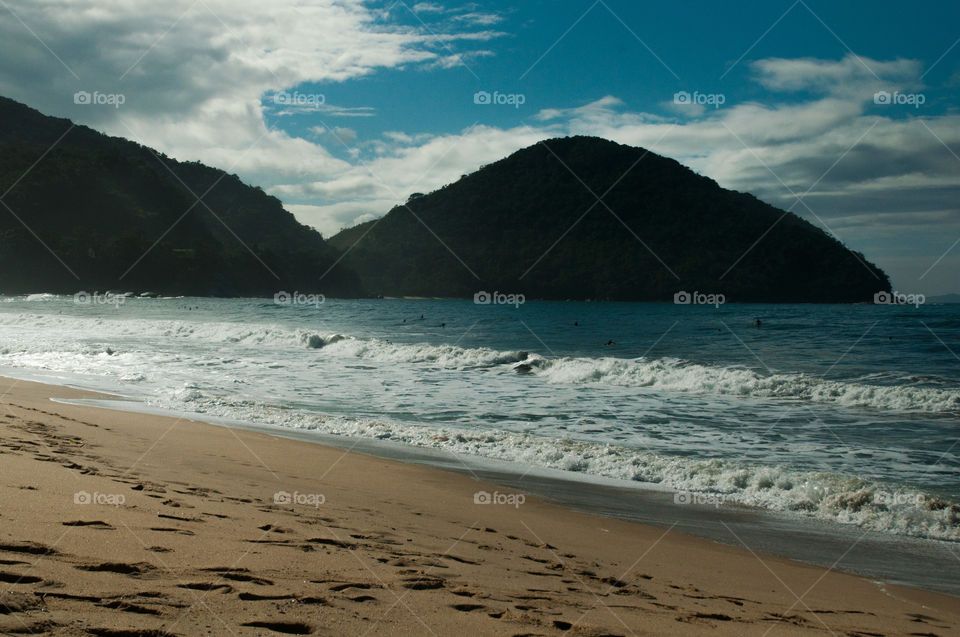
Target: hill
[
  {"x": 531, "y": 224},
  {"x": 122, "y": 216}
]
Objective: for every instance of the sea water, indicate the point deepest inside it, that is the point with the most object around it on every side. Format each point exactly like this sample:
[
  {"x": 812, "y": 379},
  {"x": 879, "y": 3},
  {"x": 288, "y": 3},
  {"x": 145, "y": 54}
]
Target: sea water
[{"x": 848, "y": 414}]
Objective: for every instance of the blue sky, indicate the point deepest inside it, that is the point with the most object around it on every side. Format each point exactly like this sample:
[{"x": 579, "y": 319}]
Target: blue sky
[
  {"x": 566, "y": 54},
  {"x": 789, "y": 91}
]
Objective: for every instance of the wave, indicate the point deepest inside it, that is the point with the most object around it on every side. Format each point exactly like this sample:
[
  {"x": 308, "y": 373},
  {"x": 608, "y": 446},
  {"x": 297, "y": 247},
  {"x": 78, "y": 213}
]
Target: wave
[
  {"x": 668, "y": 374},
  {"x": 43, "y": 296},
  {"x": 446, "y": 356},
  {"x": 684, "y": 376},
  {"x": 868, "y": 504},
  {"x": 889, "y": 392}
]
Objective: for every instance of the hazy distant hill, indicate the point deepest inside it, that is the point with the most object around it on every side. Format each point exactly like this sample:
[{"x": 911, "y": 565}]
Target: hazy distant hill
[
  {"x": 525, "y": 224},
  {"x": 100, "y": 203}
]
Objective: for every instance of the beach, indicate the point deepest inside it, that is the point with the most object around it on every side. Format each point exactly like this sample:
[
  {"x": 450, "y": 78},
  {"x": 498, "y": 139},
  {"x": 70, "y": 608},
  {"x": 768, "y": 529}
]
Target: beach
[{"x": 115, "y": 523}]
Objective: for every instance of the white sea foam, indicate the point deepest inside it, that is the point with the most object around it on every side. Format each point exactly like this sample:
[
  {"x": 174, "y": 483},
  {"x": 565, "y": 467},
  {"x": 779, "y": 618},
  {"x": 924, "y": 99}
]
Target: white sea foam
[
  {"x": 677, "y": 375},
  {"x": 665, "y": 374},
  {"x": 869, "y": 504},
  {"x": 659, "y": 374}
]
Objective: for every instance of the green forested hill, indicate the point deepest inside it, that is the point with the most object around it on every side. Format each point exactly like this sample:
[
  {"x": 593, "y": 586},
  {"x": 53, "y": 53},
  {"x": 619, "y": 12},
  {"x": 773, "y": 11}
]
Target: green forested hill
[
  {"x": 121, "y": 216},
  {"x": 530, "y": 223},
  {"x": 105, "y": 206}
]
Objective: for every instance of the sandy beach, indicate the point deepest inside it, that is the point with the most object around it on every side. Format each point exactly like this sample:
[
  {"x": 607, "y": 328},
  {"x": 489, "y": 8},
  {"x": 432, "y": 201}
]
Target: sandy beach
[{"x": 122, "y": 524}]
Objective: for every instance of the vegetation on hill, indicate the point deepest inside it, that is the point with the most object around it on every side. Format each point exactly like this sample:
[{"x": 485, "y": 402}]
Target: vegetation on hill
[
  {"x": 121, "y": 216},
  {"x": 532, "y": 223},
  {"x": 572, "y": 218}
]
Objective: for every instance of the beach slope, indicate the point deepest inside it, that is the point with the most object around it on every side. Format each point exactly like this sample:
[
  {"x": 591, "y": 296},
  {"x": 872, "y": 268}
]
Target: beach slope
[{"x": 114, "y": 523}]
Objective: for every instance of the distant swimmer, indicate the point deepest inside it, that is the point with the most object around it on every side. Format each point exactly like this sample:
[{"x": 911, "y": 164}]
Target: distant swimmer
[
  {"x": 576, "y": 323},
  {"x": 421, "y": 317},
  {"x": 443, "y": 325},
  {"x": 757, "y": 323},
  {"x": 608, "y": 343}
]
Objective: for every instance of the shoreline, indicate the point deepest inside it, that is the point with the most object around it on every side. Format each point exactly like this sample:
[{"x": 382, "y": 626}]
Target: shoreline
[
  {"x": 359, "y": 544},
  {"x": 907, "y": 560}
]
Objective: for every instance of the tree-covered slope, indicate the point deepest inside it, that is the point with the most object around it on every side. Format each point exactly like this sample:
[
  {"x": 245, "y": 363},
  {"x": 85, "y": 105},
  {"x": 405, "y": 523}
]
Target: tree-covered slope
[
  {"x": 122, "y": 216},
  {"x": 531, "y": 224}
]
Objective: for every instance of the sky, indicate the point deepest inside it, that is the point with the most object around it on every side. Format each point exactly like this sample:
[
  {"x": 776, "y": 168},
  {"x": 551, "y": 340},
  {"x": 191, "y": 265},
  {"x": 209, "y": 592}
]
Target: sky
[{"x": 845, "y": 113}]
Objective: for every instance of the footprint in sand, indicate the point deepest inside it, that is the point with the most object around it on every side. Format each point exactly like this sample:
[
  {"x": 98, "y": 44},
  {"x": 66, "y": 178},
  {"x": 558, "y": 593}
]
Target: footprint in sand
[
  {"x": 181, "y": 518},
  {"x": 254, "y": 597},
  {"x": 167, "y": 529},
  {"x": 14, "y": 578},
  {"x": 422, "y": 583},
  {"x": 127, "y": 607},
  {"x": 238, "y": 575},
  {"x": 270, "y": 528},
  {"x": 31, "y": 548},
  {"x": 97, "y": 524},
  {"x": 287, "y": 628},
  {"x": 342, "y": 587},
  {"x": 133, "y": 570},
  {"x": 467, "y": 608},
  {"x": 207, "y": 586},
  {"x": 128, "y": 632}
]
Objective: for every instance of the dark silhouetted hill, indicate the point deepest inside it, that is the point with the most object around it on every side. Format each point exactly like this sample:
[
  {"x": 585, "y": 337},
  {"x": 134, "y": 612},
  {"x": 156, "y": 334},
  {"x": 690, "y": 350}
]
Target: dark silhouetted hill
[
  {"x": 531, "y": 224},
  {"x": 106, "y": 206}
]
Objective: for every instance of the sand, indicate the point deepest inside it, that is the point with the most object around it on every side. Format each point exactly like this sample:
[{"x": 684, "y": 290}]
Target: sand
[{"x": 121, "y": 524}]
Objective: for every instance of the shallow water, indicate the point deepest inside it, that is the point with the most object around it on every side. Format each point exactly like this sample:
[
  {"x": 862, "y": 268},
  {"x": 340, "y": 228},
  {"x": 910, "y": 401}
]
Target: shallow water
[{"x": 849, "y": 414}]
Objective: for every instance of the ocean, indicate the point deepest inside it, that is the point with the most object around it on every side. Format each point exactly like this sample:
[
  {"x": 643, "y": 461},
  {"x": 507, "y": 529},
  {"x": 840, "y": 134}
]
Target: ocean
[{"x": 846, "y": 417}]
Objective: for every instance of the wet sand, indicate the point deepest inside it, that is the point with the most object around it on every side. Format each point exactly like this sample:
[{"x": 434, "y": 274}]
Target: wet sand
[{"x": 121, "y": 524}]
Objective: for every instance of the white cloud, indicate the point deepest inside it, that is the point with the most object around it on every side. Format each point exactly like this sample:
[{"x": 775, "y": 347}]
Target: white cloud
[
  {"x": 478, "y": 18},
  {"x": 841, "y": 76},
  {"x": 193, "y": 73},
  {"x": 428, "y": 7},
  {"x": 331, "y": 219}
]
